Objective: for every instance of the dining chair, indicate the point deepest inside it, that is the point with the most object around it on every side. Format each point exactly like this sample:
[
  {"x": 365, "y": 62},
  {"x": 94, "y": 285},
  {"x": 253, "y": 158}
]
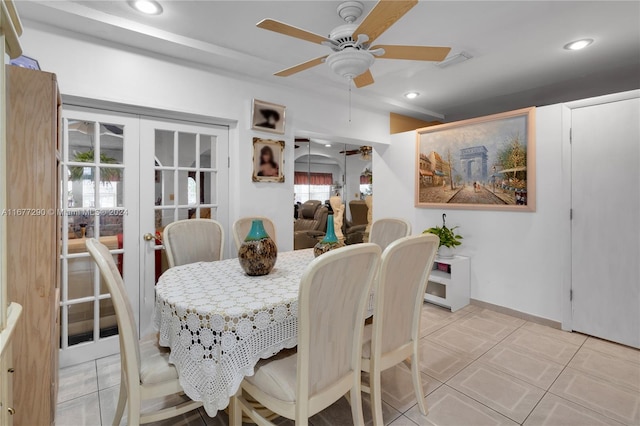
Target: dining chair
[
  {"x": 242, "y": 226},
  {"x": 145, "y": 369},
  {"x": 331, "y": 306},
  {"x": 384, "y": 232},
  {"x": 193, "y": 240},
  {"x": 394, "y": 334},
  {"x": 387, "y": 230}
]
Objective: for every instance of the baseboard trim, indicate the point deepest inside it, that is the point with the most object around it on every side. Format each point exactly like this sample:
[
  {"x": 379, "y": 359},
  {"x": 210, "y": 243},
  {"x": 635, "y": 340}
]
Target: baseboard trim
[{"x": 517, "y": 314}]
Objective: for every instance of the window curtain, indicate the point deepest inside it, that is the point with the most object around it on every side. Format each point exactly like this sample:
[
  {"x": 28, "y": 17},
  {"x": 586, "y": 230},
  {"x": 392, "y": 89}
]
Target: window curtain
[{"x": 303, "y": 178}]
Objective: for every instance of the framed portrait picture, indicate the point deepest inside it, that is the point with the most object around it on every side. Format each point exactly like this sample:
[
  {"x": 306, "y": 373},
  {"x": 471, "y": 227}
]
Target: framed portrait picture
[
  {"x": 485, "y": 163},
  {"x": 268, "y": 160},
  {"x": 268, "y": 117}
]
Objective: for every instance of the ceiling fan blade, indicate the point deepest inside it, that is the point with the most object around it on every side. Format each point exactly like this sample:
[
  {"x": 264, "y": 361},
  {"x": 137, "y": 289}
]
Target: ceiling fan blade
[
  {"x": 291, "y": 31},
  {"x": 364, "y": 79},
  {"x": 300, "y": 67},
  {"x": 350, "y": 152},
  {"x": 416, "y": 53},
  {"x": 382, "y": 16}
]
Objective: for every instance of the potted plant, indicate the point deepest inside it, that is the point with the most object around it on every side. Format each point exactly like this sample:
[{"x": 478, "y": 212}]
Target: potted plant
[
  {"x": 449, "y": 240},
  {"x": 111, "y": 174}
]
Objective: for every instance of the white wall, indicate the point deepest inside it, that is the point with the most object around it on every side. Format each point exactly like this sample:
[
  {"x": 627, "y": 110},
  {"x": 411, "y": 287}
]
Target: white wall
[
  {"x": 96, "y": 69},
  {"x": 518, "y": 260}
]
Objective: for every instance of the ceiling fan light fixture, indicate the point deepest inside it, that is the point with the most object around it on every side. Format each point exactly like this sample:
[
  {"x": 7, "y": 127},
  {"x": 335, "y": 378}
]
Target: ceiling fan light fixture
[
  {"x": 350, "y": 63},
  {"x": 578, "y": 44},
  {"x": 411, "y": 95},
  {"x": 148, "y": 7}
]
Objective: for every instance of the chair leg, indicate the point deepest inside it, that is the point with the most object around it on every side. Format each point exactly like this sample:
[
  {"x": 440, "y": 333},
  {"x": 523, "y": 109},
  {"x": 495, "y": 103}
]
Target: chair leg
[
  {"x": 133, "y": 412},
  {"x": 417, "y": 382},
  {"x": 356, "y": 406},
  {"x": 375, "y": 383},
  {"x": 235, "y": 410},
  {"x": 122, "y": 402}
]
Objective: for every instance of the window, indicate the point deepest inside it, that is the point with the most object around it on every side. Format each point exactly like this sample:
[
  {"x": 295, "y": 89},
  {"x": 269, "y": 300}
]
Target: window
[{"x": 314, "y": 186}]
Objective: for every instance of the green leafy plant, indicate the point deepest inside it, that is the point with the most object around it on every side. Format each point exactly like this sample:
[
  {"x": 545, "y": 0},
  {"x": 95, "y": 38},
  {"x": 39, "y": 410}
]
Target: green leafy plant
[
  {"x": 106, "y": 173},
  {"x": 448, "y": 237}
]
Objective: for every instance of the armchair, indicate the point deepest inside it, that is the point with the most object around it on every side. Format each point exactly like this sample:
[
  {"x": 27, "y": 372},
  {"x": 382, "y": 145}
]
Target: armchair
[
  {"x": 355, "y": 229},
  {"x": 310, "y": 225}
]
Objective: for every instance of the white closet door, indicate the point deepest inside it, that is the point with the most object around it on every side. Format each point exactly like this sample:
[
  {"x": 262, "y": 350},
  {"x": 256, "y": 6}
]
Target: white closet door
[{"x": 606, "y": 221}]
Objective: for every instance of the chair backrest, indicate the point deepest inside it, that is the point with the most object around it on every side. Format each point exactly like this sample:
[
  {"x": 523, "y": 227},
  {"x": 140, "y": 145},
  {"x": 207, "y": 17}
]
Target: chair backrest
[
  {"x": 385, "y": 231},
  {"x": 308, "y": 209},
  {"x": 312, "y": 216},
  {"x": 193, "y": 240},
  {"x": 359, "y": 211},
  {"x": 127, "y": 328},
  {"x": 402, "y": 281},
  {"x": 331, "y": 307},
  {"x": 321, "y": 216},
  {"x": 242, "y": 226}
]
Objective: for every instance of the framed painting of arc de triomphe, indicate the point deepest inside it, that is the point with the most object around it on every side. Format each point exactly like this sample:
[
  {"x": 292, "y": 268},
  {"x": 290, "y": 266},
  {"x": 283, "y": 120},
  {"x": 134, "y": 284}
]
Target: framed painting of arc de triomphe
[{"x": 485, "y": 163}]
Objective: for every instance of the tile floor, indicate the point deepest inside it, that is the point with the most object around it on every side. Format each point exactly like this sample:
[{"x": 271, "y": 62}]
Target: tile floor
[{"x": 479, "y": 367}]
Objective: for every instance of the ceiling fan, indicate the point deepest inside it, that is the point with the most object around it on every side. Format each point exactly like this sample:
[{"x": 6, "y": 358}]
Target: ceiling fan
[
  {"x": 353, "y": 53},
  {"x": 364, "y": 151}
]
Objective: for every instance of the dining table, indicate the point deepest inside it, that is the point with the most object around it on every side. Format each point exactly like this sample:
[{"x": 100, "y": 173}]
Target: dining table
[{"x": 219, "y": 322}]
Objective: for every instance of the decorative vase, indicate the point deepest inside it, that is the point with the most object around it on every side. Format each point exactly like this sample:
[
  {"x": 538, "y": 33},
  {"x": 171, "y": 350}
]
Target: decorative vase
[
  {"x": 330, "y": 240},
  {"x": 446, "y": 252},
  {"x": 258, "y": 252}
]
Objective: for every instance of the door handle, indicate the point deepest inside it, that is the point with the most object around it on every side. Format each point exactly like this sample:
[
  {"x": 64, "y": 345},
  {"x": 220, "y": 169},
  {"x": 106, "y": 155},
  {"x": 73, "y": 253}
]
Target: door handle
[
  {"x": 148, "y": 236},
  {"x": 11, "y": 411}
]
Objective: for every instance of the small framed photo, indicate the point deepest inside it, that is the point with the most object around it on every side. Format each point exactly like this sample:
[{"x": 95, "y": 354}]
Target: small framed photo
[
  {"x": 267, "y": 117},
  {"x": 268, "y": 160}
]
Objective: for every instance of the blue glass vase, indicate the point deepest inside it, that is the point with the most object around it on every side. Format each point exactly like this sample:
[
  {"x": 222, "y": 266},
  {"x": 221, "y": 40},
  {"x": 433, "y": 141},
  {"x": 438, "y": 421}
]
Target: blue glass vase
[
  {"x": 258, "y": 252},
  {"x": 330, "y": 240}
]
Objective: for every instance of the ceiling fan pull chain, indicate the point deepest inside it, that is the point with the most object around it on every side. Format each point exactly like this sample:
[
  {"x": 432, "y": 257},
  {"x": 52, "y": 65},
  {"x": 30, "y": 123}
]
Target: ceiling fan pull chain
[{"x": 350, "y": 80}]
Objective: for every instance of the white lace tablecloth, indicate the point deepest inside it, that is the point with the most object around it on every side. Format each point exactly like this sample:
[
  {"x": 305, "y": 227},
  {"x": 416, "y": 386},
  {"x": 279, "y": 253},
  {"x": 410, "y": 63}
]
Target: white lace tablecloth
[{"x": 219, "y": 322}]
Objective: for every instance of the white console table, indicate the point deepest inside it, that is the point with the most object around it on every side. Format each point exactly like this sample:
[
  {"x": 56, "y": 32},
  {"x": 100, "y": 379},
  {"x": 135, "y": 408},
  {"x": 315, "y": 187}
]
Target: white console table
[{"x": 449, "y": 288}]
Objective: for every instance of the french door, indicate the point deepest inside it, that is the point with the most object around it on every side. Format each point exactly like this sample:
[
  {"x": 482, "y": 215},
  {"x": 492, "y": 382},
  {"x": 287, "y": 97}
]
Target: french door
[
  {"x": 187, "y": 177},
  {"x": 124, "y": 179},
  {"x": 99, "y": 199}
]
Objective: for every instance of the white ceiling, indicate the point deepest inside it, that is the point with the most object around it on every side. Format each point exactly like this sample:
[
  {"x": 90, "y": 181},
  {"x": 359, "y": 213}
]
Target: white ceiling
[{"x": 517, "y": 47}]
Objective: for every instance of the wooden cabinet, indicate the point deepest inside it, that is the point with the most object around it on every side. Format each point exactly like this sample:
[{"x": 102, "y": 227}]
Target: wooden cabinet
[{"x": 33, "y": 239}]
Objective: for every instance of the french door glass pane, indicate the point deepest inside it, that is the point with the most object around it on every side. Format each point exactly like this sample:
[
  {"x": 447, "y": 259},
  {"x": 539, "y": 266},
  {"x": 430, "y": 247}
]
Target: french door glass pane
[
  {"x": 111, "y": 143},
  {"x": 80, "y": 322},
  {"x": 81, "y": 141},
  {"x": 80, "y": 276},
  {"x": 207, "y": 151},
  {"x": 164, "y": 147},
  {"x": 186, "y": 150},
  {"x": 164, "y": 188}
]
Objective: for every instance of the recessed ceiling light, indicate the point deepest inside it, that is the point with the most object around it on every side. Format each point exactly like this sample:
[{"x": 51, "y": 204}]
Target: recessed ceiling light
[
  {"x": 148, "y": 7},
  {"x": 411, "y": 95},
  {"x": 578, "y": 44},
  {"x": 328, "y": 145}
]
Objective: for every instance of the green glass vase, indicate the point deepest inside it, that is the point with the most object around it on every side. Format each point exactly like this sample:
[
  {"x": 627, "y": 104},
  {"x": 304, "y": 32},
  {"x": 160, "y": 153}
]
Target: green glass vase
[
  {"x": 258, "y": 252},
  {"x": 330, "y": 240}
]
